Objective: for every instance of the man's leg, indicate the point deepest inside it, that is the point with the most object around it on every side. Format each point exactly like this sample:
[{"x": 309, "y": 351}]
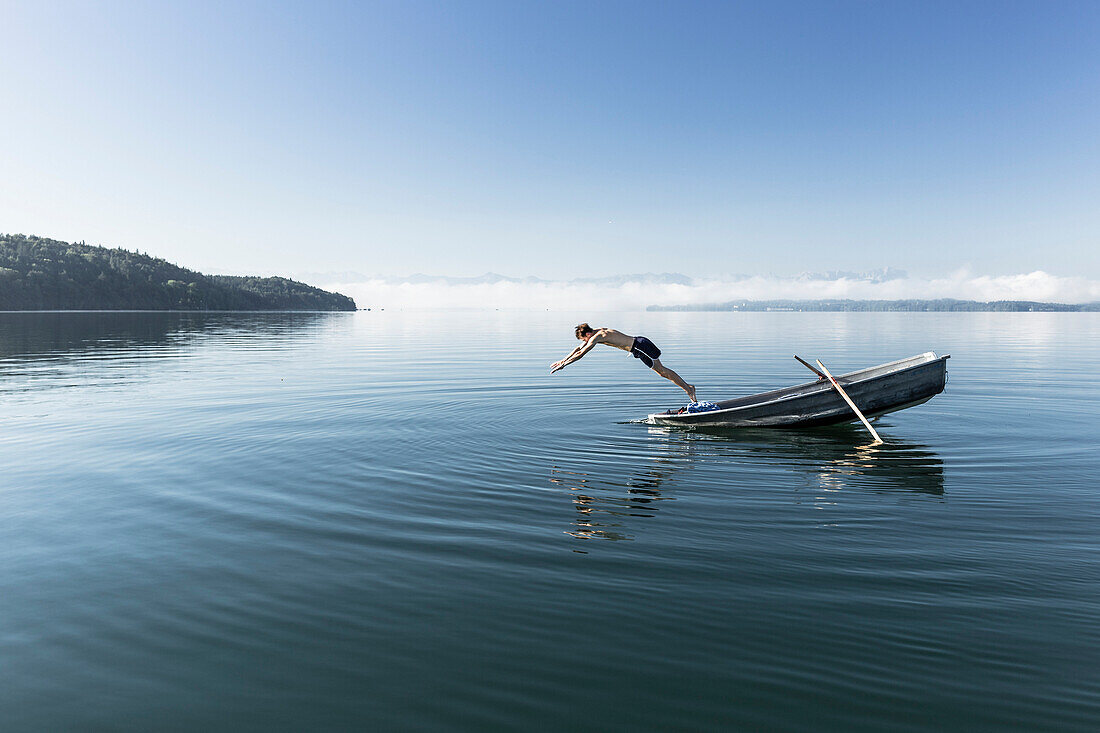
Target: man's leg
[{"x": 674, "y": 378}]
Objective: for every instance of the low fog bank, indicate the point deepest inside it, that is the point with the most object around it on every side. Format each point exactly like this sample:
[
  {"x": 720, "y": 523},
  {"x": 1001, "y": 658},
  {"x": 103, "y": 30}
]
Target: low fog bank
[{"x": 638, "y": 292}]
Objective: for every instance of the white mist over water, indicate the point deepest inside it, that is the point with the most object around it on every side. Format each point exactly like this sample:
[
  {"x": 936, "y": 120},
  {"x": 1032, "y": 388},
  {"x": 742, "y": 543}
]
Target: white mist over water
[{"x": 638, "y": 292}]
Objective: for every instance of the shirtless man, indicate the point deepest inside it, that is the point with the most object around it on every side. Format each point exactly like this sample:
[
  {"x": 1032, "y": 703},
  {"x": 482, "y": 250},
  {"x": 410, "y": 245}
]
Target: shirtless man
[{"x": 639, "y": 347}]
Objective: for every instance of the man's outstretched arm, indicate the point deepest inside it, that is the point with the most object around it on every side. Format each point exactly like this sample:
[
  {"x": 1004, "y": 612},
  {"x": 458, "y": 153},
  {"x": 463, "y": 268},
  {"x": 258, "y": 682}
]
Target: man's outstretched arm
[{"x": 576, "y": 354}]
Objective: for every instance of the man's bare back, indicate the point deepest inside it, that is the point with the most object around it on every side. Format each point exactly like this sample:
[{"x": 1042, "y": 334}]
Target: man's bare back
[
  {"x": 638, "y": 346},
  {"x": 611, "y": 337}
]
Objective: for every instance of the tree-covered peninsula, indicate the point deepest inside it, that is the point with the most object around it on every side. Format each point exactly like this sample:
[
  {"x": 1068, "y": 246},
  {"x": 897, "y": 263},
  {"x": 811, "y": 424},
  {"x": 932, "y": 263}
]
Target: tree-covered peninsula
[{"x": 45, "y": 274}]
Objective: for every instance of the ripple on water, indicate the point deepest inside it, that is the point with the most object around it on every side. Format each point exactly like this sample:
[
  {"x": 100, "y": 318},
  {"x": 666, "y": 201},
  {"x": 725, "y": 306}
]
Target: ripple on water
[{"x": 356, "y": 520}]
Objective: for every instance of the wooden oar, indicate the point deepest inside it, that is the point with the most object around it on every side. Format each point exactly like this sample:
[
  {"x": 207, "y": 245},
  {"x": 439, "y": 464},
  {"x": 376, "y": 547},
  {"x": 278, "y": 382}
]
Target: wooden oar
[
  {"x": 806, "y": 364},
  {"x": 847, "y": 399}
]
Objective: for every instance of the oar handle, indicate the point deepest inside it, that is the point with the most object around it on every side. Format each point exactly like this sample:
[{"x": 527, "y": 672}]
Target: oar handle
[{"x": 807, "y": 364}]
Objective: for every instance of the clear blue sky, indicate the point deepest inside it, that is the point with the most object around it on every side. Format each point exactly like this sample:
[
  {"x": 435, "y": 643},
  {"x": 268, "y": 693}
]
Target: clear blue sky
[{"x": 547, "y": 138}]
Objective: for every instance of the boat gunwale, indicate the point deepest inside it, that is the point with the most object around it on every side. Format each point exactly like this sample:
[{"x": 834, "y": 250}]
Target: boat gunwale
[{"x": 678, "y": 417}]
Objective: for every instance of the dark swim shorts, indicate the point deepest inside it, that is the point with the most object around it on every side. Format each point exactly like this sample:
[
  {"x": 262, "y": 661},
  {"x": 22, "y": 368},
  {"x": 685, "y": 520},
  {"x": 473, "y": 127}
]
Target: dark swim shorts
[{"x": 646, "y": 350}]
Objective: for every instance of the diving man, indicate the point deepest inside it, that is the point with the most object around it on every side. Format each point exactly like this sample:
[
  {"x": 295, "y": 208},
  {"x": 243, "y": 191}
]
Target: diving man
[{"x": 639, "y": 347}]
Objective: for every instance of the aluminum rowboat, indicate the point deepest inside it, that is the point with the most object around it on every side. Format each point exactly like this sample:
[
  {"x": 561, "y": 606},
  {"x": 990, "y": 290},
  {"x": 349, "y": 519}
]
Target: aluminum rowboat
[{"x": 876, "y": 391}]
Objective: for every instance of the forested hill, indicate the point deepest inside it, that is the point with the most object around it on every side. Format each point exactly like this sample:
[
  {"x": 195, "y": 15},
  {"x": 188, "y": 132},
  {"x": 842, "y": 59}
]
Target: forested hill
[{"x": 44, "y": 274}]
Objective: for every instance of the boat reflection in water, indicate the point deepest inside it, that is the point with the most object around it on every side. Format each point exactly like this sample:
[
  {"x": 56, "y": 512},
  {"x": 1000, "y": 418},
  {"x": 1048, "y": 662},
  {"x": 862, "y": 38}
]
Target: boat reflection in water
[
  {"x": 838, "y": 457},
  {"x": 825, "y": 462}
]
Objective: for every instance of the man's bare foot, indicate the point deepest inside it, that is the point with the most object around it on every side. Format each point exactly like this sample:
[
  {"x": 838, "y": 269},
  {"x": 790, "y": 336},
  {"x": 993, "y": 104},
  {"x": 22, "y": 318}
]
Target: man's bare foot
[{"x": 691, "y": 392}]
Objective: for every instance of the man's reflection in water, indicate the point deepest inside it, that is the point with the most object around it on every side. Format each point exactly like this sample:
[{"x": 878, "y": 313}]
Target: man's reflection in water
[
  {"x": 599, "y": 509},
  {"x": 603, "y": 505},
  {"x": 828, "y": 460}
]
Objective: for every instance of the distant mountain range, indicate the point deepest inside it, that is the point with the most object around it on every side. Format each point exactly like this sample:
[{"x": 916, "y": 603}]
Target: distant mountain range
[
  {"x": 45, "y": 274},
  {"x": 942, "y": 304},
  {"x": 647, "y": 278},
  {"x": 492, "y": 278},
  {"x": 872, "y": 276},
  {"x": 885, "y": 289}
]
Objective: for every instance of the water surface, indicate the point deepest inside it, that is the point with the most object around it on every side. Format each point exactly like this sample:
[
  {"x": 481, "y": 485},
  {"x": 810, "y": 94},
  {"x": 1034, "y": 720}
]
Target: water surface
[{"x": 400, "y": 521}]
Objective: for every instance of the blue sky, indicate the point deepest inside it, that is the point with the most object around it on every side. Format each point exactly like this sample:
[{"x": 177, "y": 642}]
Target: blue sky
[{"x": 557, "y": 139}]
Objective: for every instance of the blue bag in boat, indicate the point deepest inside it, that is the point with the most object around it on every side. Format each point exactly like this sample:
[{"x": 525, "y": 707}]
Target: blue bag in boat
[{"x": 702, "y": 407}]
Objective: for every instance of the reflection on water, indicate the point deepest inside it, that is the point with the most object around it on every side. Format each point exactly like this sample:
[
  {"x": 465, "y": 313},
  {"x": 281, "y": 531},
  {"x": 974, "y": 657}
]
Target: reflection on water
[
  {"x": 608, "y": 499},
  {"x": 44, "y": 351},
  {"x": 833, "y": 460},
  {"x": 343, "y": 521},
  {"x": 605, "y": 504},
  {"x": 886, "y": 466},
  {"x": 840, "y": 457},
  {"x": 55, "y": 333}
]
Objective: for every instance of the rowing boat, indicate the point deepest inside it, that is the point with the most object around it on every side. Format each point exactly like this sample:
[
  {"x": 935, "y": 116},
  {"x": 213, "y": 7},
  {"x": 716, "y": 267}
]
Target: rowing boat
[{"x": 876, "y": 390}]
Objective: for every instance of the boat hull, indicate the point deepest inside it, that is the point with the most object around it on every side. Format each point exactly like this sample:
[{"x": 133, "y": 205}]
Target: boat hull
[{"x": 876, "y": 391}]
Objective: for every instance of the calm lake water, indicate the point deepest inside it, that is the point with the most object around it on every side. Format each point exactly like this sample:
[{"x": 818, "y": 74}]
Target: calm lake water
[{"x": 400, "y": 521}]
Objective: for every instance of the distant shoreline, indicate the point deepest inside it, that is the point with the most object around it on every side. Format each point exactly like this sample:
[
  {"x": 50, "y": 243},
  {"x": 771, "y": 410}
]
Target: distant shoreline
[
  {"x": 39, "y": 274},
  {"x": 943, "y": 305}
]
